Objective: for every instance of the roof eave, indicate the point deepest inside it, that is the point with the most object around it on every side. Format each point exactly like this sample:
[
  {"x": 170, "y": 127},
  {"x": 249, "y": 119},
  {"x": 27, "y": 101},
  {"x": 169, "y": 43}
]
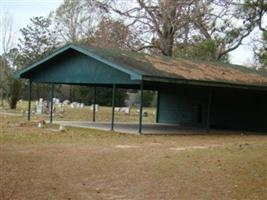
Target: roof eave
[
  {"x": 205, "y": 83},
  {"x": 21, "y": 72}
]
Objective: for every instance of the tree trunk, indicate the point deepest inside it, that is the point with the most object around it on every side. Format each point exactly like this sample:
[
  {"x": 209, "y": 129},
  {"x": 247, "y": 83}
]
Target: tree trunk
[
  {"x": 15, "y": 92},
  {"x": 2, "y": 97},
  {"x": 13, "y": 102},
  {"x": 167, "y": 45},
  {"x": 166, "y": 36}
]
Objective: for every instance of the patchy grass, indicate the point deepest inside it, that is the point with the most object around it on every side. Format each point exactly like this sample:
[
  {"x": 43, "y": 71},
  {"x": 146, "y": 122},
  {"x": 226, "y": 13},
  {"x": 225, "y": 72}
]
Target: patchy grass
[
  {"x": 89, "y": 164},
  {"x": 85, "y": 114}
]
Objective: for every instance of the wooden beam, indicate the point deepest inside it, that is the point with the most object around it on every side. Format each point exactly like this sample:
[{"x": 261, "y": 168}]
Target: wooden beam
[
  {"x": 51, "y": 104},
  {"x": 208, "y": 111},
  {"x": 113, "y": 106},
  {"x": 157, "y": 114},
  {"x": 141, "y": 108},
  {"x": 94, "y": 102},
  {"x": 29, "y": 100}
]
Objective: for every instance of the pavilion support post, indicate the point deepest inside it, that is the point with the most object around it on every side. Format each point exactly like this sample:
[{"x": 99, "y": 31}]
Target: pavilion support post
[
  {"x": 209, "y": 111},
  {"x": 94, "y": 102},
  {"x": 29, "y": 100},
  {"x": 113, "y": 106},
  {"x": 157, "y": 112},
  {"x": 51, "y": 103},
  {"x": 141, "y": 108}
]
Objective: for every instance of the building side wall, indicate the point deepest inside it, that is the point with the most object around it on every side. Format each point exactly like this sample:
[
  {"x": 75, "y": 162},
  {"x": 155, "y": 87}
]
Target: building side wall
[
  {"x": 229, "y": 109},
  {"x": 183, "y": 106},
  {"x": 239, "y": 110}
]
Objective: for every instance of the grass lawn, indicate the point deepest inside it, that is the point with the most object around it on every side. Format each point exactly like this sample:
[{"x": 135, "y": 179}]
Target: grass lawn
[
  {"x": 85, "y": 114},
  {"x": 81, "y": 164}
]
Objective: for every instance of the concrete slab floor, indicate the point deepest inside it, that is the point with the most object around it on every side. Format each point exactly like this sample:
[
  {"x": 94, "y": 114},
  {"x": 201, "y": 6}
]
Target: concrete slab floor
[{"x": 132, "y": 128}]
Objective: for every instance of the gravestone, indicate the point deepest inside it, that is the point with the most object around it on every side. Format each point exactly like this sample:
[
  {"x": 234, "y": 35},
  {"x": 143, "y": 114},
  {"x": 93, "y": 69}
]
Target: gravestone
[
  {"x": 39, "y": 106},
  {"x": 126, "y": 110},
  {"x": 117, "y": 109},
  {"x": 66, "y": 102},
  {"x": 96, "y": 107}
]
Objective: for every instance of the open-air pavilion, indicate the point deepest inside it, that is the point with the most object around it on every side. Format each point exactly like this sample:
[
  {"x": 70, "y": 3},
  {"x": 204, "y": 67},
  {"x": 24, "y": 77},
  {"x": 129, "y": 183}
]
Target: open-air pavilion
[{"x": 191, "y": 94}]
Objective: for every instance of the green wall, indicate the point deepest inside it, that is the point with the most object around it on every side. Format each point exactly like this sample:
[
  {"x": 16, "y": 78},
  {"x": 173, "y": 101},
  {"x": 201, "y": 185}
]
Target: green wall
[
  {"x": 79, "y": 69},
  {"x": 239, "y": 110},
  {"x": 233, "y": 109},
  {"x": 183, "y": 105}
]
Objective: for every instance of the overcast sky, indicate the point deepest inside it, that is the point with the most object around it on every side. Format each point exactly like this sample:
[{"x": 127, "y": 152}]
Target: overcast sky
[{"x": 22, "y": 10}]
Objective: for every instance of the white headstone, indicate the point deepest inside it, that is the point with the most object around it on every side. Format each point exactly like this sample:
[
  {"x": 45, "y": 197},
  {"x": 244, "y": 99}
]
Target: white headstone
[
  {"x": 127, "y": 110},
  {"x": 96, "y": 107},
  {"x": 39, "y": 108},
  {"x": 56, "y": 101},
  {"x": 117, "y": 109},
  {"x": 66, "y": 102}
]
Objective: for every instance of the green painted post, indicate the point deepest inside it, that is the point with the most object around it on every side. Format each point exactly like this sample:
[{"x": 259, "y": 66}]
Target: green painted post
[
  {"x": 113, "y": 106},
  {"x": 209, "y": 110},
  {"x": 157, "y": 114},
  {"x": 29, "y": 100},
  {"x": 94, "y": 102},
  {"x": 141, "y": 108},
  {"x": 51, "y": 104}
]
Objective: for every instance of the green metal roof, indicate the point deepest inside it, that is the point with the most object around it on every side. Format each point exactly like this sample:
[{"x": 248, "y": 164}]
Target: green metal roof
[{"x": 156, "y": 68}]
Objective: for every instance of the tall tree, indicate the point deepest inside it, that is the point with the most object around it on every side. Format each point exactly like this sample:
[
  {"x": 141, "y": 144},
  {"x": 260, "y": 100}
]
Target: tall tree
[
  {"x": 261, "y": 51},
  {"x": 223, "y": 23},
  {"x": 7, "y": 33},
  {"x": 76, "y": 20},
  {"x": 38, "y": 39},
  {"x": 156, "y": 23},
  {"x": 165, "y": 25},
  {"x": 111, "y": 34},
  {"x": 6, "y": 45},
  {"x": 3, "y": 74},
  {"x": 13, "y": 87},
  {"x": 256, "y": 11}
]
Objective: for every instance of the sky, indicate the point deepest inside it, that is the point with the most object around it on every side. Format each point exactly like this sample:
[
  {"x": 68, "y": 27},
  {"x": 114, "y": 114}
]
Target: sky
[{"x": 22, "y": 10}]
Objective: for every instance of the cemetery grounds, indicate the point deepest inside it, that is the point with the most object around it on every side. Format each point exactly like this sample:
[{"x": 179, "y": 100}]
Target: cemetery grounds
[{"x": 44, "y": 163}]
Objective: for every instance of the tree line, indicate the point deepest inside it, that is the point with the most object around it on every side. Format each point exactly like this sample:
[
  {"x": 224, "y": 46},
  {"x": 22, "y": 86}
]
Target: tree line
[{"x": 199, "y": 29}]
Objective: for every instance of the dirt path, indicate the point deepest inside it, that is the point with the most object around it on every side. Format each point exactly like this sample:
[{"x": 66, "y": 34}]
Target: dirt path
[
  {"x": 132, "y": 171},
  {"x": 9, "y": 114},
  {"x": 84, "y": 164}
]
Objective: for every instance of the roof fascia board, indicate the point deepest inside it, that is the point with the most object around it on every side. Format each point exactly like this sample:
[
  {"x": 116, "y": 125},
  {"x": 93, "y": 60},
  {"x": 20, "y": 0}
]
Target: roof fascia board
[
  {"x": 204, "y": 83},
  {"x": 31, "y": 66},
  {"x": 82, "y": 83}
]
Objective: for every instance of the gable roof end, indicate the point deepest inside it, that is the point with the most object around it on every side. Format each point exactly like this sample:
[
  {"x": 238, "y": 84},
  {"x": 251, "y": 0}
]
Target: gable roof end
[{"x": 133, "y": 74}]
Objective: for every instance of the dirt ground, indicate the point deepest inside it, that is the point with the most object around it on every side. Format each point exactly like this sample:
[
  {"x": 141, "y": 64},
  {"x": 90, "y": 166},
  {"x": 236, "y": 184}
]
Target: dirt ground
[{"x": 81, "y": 164}]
